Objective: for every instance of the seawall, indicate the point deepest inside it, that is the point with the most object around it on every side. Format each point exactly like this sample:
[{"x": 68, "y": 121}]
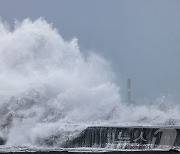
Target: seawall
[{"x": 127, "y": 138}]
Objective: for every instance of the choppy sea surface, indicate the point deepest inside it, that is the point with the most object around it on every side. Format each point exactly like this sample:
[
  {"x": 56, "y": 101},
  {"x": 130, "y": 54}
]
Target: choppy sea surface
[{"x": 36, "y": 149}]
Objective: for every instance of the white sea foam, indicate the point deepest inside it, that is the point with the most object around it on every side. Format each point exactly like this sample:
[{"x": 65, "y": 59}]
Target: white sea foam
[{"x": 50, "y": 90}]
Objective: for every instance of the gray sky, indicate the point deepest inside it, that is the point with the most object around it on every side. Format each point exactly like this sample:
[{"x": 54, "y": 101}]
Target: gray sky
[{"x": 141, "y": 38}]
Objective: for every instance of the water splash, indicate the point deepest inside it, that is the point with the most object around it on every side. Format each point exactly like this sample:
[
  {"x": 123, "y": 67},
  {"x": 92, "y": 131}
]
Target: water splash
[
  {"x": 48, "y": 84},
  {"x": 50, "y": 90}
]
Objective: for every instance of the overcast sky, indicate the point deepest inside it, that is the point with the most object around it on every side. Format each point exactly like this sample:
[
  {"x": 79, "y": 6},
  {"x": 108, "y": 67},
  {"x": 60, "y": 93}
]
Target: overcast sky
[{"x": 140, "y": 38}]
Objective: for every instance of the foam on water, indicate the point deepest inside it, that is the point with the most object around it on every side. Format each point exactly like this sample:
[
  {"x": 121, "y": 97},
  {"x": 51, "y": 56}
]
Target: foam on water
[{"x": 50, "y": 90}]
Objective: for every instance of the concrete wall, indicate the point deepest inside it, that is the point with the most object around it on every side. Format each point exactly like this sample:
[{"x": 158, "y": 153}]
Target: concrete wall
[{"x": 127, "y": 138}]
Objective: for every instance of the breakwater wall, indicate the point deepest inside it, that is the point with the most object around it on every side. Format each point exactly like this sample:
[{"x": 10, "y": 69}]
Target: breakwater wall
[{"x": 127, "y": 138}]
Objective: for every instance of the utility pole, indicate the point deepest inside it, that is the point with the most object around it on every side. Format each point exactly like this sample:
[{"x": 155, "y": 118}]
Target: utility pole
[{"x": 129, "y": 92}]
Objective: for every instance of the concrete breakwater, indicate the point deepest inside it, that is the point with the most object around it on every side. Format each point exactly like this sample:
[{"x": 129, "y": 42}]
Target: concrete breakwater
[{"x": 127, "y": 138}]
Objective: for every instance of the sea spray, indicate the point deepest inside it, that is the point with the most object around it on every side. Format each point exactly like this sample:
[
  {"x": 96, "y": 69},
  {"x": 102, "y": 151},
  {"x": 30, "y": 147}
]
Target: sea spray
[
  {"x": 48, "y": 87},
  {"x": 50, "y": 91}
]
